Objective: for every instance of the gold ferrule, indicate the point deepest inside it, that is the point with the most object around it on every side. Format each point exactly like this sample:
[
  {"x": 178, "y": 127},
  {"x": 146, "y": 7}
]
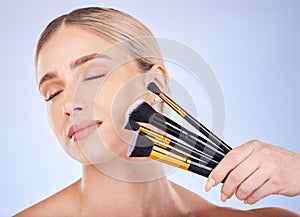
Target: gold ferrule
[
  {"x": 162, "y": 155},
  {"x": 172, "y": 104},
  {"x": 155, "y": 135}
]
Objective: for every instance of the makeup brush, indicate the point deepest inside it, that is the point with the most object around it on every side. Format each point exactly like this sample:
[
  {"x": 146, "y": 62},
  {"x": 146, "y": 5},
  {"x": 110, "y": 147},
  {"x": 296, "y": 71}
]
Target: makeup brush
[
  {"x": 189, "y": 118},
  {"x": 141, "y": 111},
  {"x": 142, "y": 146},
  {"x": 176, "y": 145}
]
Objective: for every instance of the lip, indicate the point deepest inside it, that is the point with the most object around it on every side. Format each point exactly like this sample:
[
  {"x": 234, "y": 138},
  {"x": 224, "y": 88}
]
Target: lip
[{"x": 83, "y": 129}]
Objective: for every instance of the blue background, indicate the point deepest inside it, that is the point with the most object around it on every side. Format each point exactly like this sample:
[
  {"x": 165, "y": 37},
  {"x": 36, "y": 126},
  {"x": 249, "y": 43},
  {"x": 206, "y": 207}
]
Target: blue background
[{"x": 252, "y": 46}]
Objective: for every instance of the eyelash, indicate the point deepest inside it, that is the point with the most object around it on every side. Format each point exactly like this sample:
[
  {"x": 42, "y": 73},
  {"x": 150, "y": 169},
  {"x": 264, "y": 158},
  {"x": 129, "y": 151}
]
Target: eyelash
[
  {"x": 94, "y": 77},
  {"x": 86, "y": 79},
  {"x": 53, "y": 95}
]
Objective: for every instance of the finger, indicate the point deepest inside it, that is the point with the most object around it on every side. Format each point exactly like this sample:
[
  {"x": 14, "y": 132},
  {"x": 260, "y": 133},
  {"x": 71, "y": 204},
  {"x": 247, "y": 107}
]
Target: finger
[
  {"x": 229, "y": 162},
  {"x": 238, "y": 175},
  {"x": 252, "y": 183},
  {"x": 265, "y": 190}
]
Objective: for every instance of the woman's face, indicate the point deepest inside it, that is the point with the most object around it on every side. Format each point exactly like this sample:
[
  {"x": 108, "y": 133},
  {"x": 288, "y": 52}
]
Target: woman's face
[{"x": 88, "y": 89}]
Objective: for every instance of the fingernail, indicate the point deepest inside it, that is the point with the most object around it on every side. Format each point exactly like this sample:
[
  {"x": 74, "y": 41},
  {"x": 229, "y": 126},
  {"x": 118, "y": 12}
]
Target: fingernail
[
  {"x": 210, "y": 183},
  {"x": 223, "y": 197}
]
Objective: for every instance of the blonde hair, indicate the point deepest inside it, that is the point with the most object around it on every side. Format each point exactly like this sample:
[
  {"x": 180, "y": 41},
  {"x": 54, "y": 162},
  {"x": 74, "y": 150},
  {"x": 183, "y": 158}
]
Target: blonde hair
[{"x": 113, "y": 25}]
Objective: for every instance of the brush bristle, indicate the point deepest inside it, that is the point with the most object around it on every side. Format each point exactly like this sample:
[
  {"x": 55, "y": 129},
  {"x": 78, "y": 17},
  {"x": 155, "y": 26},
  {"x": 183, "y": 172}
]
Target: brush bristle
[
  {"x": 142, "y": 112},
  {"x": 129, "y": 111},
  {"x": 131, "y": 125},
  {"x": 141, "y": 146},
  {"x": 153, "y": 88}
]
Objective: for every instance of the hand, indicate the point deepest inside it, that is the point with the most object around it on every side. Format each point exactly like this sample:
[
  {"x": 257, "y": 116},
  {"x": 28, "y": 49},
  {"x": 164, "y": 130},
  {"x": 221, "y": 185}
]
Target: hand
[{"x": 256, "y": 170}]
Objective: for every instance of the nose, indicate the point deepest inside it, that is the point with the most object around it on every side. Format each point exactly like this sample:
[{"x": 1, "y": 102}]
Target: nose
[{"x": 73, "y": 106}]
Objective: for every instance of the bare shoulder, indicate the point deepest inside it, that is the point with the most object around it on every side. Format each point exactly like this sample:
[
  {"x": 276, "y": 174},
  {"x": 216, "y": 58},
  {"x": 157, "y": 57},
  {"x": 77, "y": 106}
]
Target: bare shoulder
[
  {"x": 64, "y": 200},
  {"x": 196, "y": 204},
  {"x": 260, "y": 212},
  {"x": 200, "y": 207}
]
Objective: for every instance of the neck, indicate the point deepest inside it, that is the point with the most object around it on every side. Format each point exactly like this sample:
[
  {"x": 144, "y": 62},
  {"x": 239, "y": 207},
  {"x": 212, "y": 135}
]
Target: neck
[{"x": 137, "y": 189}]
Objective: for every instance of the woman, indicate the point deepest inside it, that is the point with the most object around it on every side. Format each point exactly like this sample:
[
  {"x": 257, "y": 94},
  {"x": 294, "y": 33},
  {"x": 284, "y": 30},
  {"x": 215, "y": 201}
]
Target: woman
[{"x": 88, "y": 81}]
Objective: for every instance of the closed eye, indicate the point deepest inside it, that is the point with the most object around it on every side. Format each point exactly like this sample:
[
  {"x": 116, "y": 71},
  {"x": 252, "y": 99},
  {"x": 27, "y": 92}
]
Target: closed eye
[
  {"x": 94, "y": 77},
  {"x": 53, "y": 95}
]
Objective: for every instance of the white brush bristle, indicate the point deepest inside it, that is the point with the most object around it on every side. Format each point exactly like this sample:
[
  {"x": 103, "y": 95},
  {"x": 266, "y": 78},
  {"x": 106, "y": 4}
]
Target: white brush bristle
[
  {"x": 131, "y": 109},
  {"x": 132, "y": 144}
]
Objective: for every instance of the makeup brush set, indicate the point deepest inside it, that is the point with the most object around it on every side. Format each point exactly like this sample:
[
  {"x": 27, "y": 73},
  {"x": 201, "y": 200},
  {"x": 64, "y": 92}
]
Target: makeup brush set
[{"x": 176, "y": 146}]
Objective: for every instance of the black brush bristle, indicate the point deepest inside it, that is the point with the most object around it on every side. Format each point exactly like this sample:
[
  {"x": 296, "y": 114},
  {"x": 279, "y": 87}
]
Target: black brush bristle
[
  {"x": 132, "y": 125},
  {"x": 153, "y": 88},
  {"x": 141, "y": 146},
  {"x": 142, "y": 113}
]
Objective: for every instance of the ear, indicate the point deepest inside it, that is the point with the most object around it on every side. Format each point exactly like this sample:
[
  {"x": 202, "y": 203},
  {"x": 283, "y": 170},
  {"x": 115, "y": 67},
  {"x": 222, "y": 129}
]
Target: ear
[{"x": 159, "y": 75}]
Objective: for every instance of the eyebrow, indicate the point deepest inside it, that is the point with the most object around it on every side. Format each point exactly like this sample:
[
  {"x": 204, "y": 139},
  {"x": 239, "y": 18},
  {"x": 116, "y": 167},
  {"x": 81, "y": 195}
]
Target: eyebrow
[
  {"x": 73, "y": 65},
  {"x": 47, "y": 77},
  {"x": 82, "y": 60}
]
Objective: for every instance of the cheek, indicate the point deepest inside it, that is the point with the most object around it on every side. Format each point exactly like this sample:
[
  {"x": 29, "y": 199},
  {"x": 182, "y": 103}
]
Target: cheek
[
  {"x": 114, "y": 98},
  {"x": 55, "y": 120}
]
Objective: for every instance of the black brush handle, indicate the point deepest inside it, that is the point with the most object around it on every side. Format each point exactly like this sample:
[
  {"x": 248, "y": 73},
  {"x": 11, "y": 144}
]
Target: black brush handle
[
  {"x": 180, "y": 132},
  {"x": 195, "y": 123},
  {"x": 204, "y": 141},
  {"x": 186, "y": 137},
  {"x": 205, "y": 160},
  {"x": 206, "y": 132},
  {"x": 201, "y": 170}
]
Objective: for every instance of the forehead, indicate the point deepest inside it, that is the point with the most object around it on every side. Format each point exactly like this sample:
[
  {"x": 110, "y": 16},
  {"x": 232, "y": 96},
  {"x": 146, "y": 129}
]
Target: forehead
[{"x": 66, "y": 45}]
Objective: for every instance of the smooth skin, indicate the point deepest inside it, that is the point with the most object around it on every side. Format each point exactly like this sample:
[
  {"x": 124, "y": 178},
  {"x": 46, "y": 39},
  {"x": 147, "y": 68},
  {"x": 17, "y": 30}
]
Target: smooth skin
[
  {"x": 256, "y": 170},
  {"x": 98, "y": 192}
]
